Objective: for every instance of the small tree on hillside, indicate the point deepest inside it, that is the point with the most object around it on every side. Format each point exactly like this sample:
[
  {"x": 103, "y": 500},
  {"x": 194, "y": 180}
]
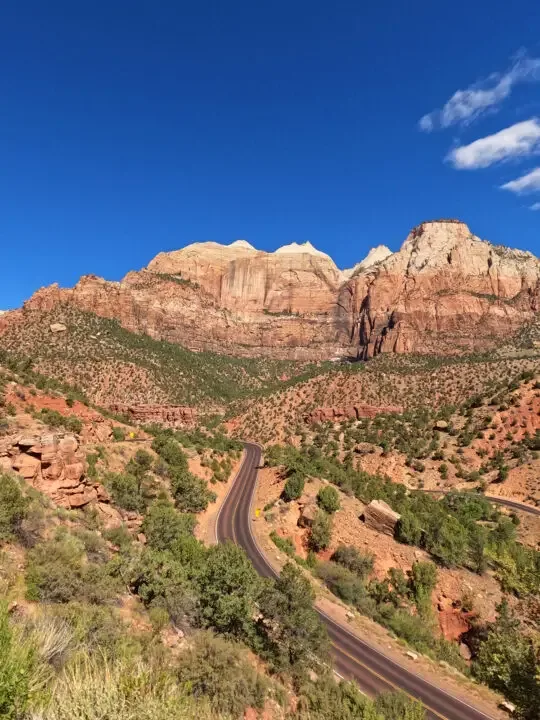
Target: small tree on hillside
[
  {"x": 328, "y": 499},
  {"x": 294, "y": 487},
  {"x": 321, "y": 531}
]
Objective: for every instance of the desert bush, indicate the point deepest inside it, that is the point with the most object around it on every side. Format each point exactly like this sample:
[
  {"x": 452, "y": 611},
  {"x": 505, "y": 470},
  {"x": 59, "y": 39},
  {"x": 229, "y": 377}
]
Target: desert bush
[
  {"x": 162, "y": 581},
  {"x": 58, "y": 571},
  {"x": 359, "y": 563},
  {"x": 328, "y": 499},
  {"x": 13, "y": 507},
  {"x": 286, "y": 545},
  {"x": 164, "y": 526},
  {"x": 342, "y": 582},
  {"x": 228, "y": 587},
  {"x": 294, "y": 487},
  {"x": 289, "y": 632},
  {"x": 125, "y": 491},
  {"x": 16, "y": 669},
  {"x": 118, "y": 433},
  {"x": 96, "y": 687},
  {"x": 190, "y": 492},
  {"x": 321, "y": 531},
  {"x": 216, "y": 669}
]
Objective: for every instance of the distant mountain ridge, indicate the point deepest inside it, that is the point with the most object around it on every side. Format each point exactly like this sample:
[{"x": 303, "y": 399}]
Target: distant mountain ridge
[{"x": 445, "y": 291}]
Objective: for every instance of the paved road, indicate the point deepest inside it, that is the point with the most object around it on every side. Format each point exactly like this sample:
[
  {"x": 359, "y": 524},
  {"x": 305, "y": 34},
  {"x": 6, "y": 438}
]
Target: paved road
[{"x": 353, "y": 658}]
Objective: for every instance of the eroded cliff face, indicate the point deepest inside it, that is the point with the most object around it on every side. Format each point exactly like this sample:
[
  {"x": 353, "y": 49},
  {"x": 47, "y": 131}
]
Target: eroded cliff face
[{"x": 445, "y": 291}]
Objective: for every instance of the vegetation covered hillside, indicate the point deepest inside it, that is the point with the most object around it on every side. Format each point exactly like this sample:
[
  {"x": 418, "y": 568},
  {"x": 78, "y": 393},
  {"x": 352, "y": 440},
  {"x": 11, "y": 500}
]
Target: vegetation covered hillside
[
  {"x": 113, "y": 608},
  {"x": 407, "y": 382},
  {"x": 448, "y": 576},
  {"x": 112, "y": 365}
]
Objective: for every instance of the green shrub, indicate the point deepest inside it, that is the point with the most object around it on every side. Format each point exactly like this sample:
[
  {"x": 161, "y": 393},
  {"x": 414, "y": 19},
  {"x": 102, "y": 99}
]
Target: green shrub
[
  {"x": 119, "y": 536},
  {"x": 218, "y": 670},
  {"x": 290, "y": 634},
  {"x": 125, "y": 491},
  {"x": 399, "y": 706},
  {"x": 58, "y": 571},
  {"x": 327, "y": 699},
  {"x": 294, "y": 487},
  {"x": 359, "y": 563},
  {"x": 17, "y": 662},
  {"x": 321, "y": 531},
  {"x": 164, "y": 526},
  {"x": 13, "y": 507},
  {"x": 328, "y": 499},
  {"x": 96, "y": 687},
  {"x": 228, "y": 586},
  {"x": 190, "y": 492},
  {"x": 342, "y": 582},
  {"x": 118, "y": 433},
  {"x": 286, "y": 545},
  {"x": 161, "y": 580}
]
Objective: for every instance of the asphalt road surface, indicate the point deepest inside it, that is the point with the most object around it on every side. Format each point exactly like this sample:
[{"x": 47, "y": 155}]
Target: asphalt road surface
[{"x": 353, "y": 658}]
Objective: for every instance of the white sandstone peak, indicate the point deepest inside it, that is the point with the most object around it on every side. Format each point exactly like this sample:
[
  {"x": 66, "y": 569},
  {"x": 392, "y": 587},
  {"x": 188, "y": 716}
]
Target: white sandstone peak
[
  {"x": 298, "y": 248},
  {"x": 242, "y": 244},
  {"x": 374, "y": 256}
]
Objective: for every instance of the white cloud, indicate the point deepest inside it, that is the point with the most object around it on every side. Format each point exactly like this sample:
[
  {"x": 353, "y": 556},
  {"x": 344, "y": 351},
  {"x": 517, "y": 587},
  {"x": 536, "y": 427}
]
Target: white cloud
[
  {"x": 525, "y": 184},
  {"x": 466, "y": 105},
  {"x": 517, "y": 140},
  {"x": 535, "y": 206}
]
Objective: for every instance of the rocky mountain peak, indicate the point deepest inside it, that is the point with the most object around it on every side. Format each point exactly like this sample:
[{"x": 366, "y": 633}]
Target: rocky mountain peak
[
  {"x": 305, "y": 248},
  {"x": 374, "y": 256},
  {"x": 445, "y": 290},
  {"x": 243, "y": 244}
]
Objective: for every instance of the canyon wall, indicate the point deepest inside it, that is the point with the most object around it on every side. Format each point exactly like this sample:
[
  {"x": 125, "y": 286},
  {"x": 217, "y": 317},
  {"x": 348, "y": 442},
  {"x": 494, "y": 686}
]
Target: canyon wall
[{"x": 445, "y": 290}]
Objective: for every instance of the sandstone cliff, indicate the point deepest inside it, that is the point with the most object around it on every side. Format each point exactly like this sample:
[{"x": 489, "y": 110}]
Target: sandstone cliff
[{"x": 445, "y": 290}]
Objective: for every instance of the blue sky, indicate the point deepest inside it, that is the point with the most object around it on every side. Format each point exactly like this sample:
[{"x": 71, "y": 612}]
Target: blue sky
[{"x": 127, "y": 128}]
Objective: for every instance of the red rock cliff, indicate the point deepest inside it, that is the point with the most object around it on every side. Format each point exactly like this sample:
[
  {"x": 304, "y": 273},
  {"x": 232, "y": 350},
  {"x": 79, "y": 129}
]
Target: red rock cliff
[{"x": 444, "y": 291}]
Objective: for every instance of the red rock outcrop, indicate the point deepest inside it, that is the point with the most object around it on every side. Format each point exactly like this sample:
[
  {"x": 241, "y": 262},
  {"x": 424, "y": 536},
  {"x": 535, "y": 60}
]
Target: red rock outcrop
[
  {"x": 169, "y": 415},
  {"x": 351, "y": 412},
  {"x": 54, "y": 465},
  {"x": 444, "y": 291}
]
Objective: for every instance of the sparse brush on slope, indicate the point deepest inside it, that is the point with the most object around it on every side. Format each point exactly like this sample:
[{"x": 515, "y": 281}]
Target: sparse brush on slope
[{"x": 93, "y": 350}]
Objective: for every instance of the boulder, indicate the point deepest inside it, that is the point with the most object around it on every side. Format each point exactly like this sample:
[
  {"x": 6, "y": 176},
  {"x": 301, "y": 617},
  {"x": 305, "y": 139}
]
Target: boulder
[
  {"x": 74, "y": 471},
  {"x": 58, "y": 327},
  {"x": 307, "y": 515},
  {"x": 81, "y": 499},
  {"x": 68, "y": 445},
  {"x": 441, "y": 425},
  {"x": 27, "y": 465},
  {"x": 102, "y": 495},
  {"x": 28, "y": 441},
  {"x": 53, "y": 469},
  {"x": 379, "y": 516}
]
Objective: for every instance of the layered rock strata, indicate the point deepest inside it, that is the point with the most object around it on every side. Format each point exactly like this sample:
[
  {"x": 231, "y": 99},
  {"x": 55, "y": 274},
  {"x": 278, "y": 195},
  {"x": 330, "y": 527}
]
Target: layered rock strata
[{"x": 444, "y": 291}]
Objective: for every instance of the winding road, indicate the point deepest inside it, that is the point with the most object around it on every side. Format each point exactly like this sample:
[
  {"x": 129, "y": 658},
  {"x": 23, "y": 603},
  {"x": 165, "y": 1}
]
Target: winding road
[{"x": 353, "y": 658}]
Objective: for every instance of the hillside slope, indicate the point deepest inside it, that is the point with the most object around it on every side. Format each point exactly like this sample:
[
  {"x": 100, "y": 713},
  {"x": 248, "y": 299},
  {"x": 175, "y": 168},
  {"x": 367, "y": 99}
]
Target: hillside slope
[{"x": 113, "y": 365}]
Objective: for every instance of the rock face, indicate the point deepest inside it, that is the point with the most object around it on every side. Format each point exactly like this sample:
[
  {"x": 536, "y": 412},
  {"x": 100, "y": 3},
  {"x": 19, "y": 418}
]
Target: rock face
[
  {"x": 54, "y": 465},
  {"x": 169, "y": 415},
  {"x": 379, "y": 516},
  {"x": 444, "y": 291}
]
